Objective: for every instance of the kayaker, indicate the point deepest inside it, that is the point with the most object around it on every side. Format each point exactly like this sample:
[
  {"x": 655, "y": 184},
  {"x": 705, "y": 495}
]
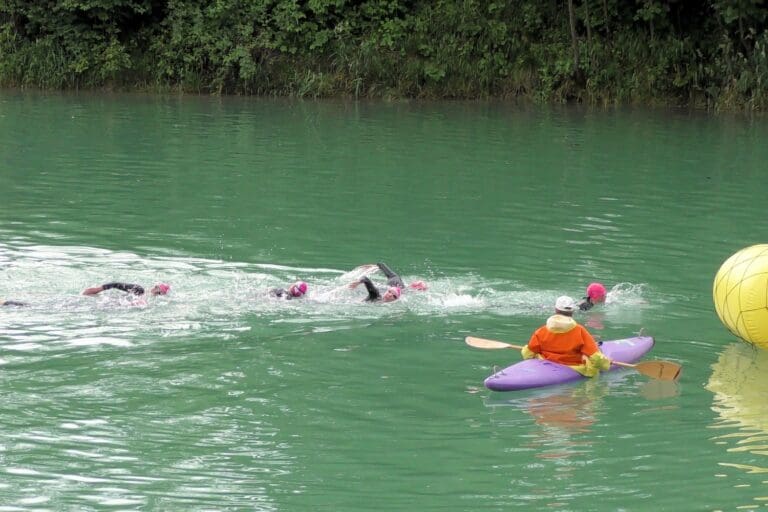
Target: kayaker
[
  {"x": 596, "y": 294},
  {"x": 565, "y": 341},
  {"x": 135, "y": 289},
  {"x": 296, "y": 290}
]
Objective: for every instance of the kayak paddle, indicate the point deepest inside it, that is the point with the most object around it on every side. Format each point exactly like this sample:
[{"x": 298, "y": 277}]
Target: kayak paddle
[{"x": 662, "y": 370}]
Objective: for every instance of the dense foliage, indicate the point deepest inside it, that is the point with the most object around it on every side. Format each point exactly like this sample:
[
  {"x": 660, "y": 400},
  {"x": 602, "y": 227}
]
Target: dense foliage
[{"x": 708, "y": 53}]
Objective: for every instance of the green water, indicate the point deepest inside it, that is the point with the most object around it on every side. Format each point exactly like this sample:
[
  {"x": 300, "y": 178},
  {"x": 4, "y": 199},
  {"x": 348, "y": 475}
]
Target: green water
[{"x": 218, "y": 397}]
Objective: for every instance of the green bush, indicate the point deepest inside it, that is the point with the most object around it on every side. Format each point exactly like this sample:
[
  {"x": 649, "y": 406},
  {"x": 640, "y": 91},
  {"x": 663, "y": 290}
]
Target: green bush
[{"x": 709, "y": 53}]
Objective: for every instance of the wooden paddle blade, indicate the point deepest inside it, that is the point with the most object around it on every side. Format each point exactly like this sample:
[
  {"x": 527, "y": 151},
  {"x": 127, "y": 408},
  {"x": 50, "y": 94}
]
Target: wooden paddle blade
[
  {"x": 483, "y": 343},
  {"x": 662, "y": 370}
]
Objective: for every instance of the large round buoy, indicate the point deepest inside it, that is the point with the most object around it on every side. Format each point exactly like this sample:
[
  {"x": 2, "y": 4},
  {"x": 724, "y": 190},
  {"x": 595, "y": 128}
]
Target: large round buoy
[{"x": 740, "y": 294}]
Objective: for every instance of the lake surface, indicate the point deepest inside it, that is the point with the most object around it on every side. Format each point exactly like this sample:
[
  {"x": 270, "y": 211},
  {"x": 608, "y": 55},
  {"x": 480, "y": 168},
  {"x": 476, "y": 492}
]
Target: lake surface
[{"x": 219, "y": 397}]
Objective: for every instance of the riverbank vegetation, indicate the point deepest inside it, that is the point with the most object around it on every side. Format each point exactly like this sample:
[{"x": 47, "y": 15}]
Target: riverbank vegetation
[{"x": 701, "y": 53}]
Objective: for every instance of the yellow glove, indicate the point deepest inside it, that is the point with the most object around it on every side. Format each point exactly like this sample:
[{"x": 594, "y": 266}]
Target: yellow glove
[
  {"x": 596, "y": 362},
  {"x": 528, "y": 353}
]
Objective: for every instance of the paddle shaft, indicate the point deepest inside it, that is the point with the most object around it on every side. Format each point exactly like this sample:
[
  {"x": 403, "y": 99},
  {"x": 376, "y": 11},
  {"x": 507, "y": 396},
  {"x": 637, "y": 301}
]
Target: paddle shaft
[
  {"x": 483, "y": 343},
  {"x": 617, "y": 363}
]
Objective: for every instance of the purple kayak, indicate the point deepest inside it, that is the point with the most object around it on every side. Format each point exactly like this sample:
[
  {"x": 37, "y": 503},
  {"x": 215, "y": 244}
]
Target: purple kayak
[{"x": 536, "y": 373}]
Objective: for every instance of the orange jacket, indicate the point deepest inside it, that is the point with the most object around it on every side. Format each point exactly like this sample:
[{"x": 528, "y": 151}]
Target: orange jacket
[{"x": 563, "y": 341}]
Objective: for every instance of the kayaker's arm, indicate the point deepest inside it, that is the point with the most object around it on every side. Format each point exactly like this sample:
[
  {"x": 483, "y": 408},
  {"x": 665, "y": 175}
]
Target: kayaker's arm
[{"x": 527, "y": 353}]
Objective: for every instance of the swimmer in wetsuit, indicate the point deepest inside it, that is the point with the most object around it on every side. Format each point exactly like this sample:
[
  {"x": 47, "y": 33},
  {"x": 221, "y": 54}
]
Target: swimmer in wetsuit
[
  {"x": 394, "y": 282},
  {"x": 393, "y": 279},
  {"x": 296, "y": 290},
  {"x": 135, "y": 289},
  {"x": 596, "y": 294},
  {"x": 374, "y": 295},
  {"x": 12, "y": 303}
]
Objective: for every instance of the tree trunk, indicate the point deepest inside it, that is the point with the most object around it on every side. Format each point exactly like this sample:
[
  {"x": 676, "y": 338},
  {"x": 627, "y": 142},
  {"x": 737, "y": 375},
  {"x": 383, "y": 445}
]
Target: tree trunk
[
  {"x": 741, "y": 34},
  {"x": 574, "y": 37},
  {"x": 587, "y": 23}
]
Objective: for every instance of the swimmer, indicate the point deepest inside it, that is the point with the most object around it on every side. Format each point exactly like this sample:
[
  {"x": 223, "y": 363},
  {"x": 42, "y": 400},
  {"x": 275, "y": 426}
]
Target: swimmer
[
  {"x": 596, "y": 294},
  {"x": 135, "y": 289},
  {"x": 395, "y": 285},
  {"x": 393, "y": 279},
  {"x": 295, "y": 291},
  {"x": 12, "y": 303},
  {"x": 374, "y": 295}
]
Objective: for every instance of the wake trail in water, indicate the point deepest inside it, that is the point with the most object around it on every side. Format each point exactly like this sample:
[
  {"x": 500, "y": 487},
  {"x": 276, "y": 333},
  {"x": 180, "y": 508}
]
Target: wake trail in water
[{"x": 221, "y": 299}]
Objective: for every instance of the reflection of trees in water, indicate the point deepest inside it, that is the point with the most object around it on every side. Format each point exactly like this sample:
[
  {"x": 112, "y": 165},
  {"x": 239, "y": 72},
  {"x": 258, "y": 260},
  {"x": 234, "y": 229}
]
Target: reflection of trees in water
[{"x": 740, "y": 390}]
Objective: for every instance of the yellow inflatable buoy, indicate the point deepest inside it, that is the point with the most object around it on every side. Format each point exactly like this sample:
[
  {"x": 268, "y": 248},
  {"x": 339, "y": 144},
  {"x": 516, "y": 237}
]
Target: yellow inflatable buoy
[{"x": 740, "y": 294}]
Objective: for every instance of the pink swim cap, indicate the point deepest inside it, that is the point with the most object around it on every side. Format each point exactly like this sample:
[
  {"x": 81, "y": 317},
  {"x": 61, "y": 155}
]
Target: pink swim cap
[
  {"x": 394, "y": 290},
  {"x": 418, "y": 285},
  {"x": 596, "y": 291},
  {"x": 298, "y": 289},
  {"x": 162, "y": 288}
]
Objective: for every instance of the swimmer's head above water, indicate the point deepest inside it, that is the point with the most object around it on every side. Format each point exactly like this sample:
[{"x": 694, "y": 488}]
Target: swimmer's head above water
[
  {"x": 298, "y": 289},
  {"x": 160, "y": 289},
  {"x": 392, "y": 293},
  {"x": 596, "y": 292}
]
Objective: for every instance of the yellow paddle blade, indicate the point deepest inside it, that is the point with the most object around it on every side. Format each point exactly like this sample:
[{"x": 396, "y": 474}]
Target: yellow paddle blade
[{"x": 662, "y": 370}]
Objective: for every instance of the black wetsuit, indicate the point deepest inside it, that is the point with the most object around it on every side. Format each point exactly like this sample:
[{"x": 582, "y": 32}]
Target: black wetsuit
[
  {"x": 13, "y": 303},
  {"x": 392, "y": 278},
  {"x": 586, "y": 304},
  {"x": 282, "y": 293},
  {"x": 373, "y": 293},
  {"x": 126, "y": 287}
]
